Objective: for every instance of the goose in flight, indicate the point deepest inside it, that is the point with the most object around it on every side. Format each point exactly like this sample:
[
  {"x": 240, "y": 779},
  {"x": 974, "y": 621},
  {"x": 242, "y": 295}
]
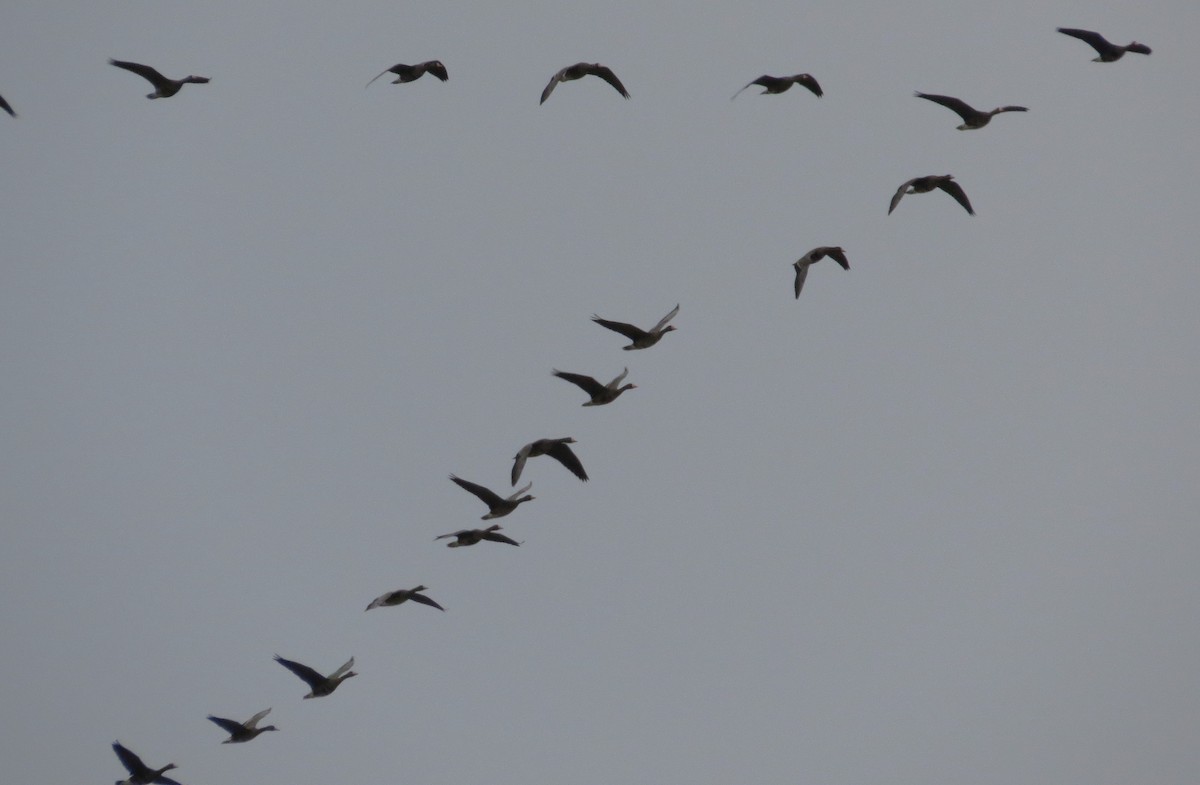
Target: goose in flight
[
  {"x": 642, "y": 339},
  {"x": 972, "y": 117},
  {"x": 4, "y": 105},
  {"x": 411, "y": 73},
  {"x": 497, "y": 507},
  {"x": 404, "y": 595},
  {"x": 321, "y": 685},
  {"x": 601, "y": 393},
  {"x": 580, "y": 70},
  {"x": 163, "y": 87},
  {"x": 812, "y": 257},
  {"x": 242, "y": 731},
  {"x": 923, "y": 185},
  {"x": 140, "y": 773},
  {"x": 557, "y": 449},
  {"x": 780, "y": 84},
  {"x": 465, "y": 537},
  {"x": 1109, "y": 52}
]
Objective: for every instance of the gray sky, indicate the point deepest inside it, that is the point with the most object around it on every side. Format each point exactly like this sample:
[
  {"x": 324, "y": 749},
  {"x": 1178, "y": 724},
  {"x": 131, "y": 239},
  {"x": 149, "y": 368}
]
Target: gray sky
[{"x": 933, "y": 523}]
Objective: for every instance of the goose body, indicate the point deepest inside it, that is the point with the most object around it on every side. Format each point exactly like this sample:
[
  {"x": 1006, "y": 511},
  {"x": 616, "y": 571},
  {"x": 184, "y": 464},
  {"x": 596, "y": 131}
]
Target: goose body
[
  {"x": 812, "y": 257},
  {"x": 403, "y": 595},
  {"x": 497, "y": 507},
  {"x": 163, "y": 87},
  {"x": 242, "y": 731},
  {"x": 558, "y": 449},
  {"x": 411, "y": 73},
  {"x": 972, "y": 117},
  {"x": 781, "y": 84},
  {"x": 465, "y": 537},
  {"x": 1108, "y": 51},
  {"x": 923, "y": 185},
  {"x": 140, "y": 773},
  {"x": 601, "y": 393},
  {"x": 580, "y": 70},
  {"x": 642, "y": 339},
  {"x": 320, "y": 685}
]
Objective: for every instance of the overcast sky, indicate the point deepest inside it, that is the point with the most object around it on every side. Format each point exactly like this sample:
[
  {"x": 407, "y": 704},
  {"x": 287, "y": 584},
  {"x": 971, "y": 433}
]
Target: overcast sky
[{"x": 933, "y": 523}]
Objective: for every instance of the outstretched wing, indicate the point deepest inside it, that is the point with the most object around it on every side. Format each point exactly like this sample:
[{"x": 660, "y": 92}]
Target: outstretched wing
[
  {"x": 663, "y": 321},
  {"x": 421, "y": 598},
  {"x": 381, "y": 73},
  {"x": 628, "y": 330},
  {"x": 801, "y": 274},
  {"x": 563, "y": 453},
  {"x": 899, "y": 195},
  {"x": 496, "y": 536},
  {"x": 836, "y": 254},
  {"x": 250, "y": 723},
  {"x": 808, "y": 81},
  {"x": 485, "y": 495},
  {"x": 146, "y": 72},
  {"x": 303, "y": 671},
  {"x": 961, "y": 108},
  {"x": 1095, "y": 40},
  {"x": 519, "y": 463},
  {"x": 229, "y": 726},
  {"x": 553, "y": 83},
  {"x": 131, "y": 762},
  {"x": 619, "y": 378},
  {"x": 436, "y": 68},
  {"x": 4, "y": 105},
  {"x": 606, "y": 73},
  {"x": 586, "y": 383},
  {"x": 955, "y": 190},
  {"x": 347, "y": 665}
]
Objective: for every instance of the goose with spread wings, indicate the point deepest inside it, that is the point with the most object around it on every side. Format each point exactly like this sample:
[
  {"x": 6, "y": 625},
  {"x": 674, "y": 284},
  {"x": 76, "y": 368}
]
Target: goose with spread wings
[
  {"x": 601, "y": 393},
  {"x": 321, "y": 685},
  {"x": 972, "y": 117},
  {"x": 812, "y": 257},
  {"x": 404, "y": 595},
  {"x": 781, "y": 84},
  {"x": 642, "y": 339},
  {"x": 497, "y": 507},
  {"x": 411, "y": 73},
  {"x": 558, "y": 449},
  {"x": 242, "y": 731},
  {"x": 580, "y": 70},
  {"x": 465, "y": 537},
  {"x": 923, "y": 185},
  {"x": 163, "y": 87},
  {"x": 140, "y": 773},
  {"x": 1108, "y": 51}
]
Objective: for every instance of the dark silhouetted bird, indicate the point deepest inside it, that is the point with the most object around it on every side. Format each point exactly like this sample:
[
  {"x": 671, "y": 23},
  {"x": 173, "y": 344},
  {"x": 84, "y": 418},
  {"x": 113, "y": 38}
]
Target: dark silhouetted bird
[
  {"x": 580, "y": 70},
  {"x": 601, "y": 393},
  {"x": 465, "y": 537},
  {"x": 923, "y": 185},
  {"x": 404, "y": 595},
  {"x": 780, "y": 84},
  {"x": 642, "y": 339},
  {"x": 140, "y": 773},
  {"x": 4, "y": 105},
  {"x": 411, "y": 73},
  {"x": 812, "y": 257},
  {"x": 557, "y": 449},
  {"x": 972, "y": 118},
  {"x": 321, "y": 685},
  {"x": 1109, "y": 52},
  {"x": 242, "y": 731},
  {"x": 497, "y": 507},
  {"x": 163, "y": 87}
]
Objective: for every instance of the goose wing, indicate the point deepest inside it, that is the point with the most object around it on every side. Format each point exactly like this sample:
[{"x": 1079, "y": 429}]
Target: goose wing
[
  {"x": 306, "y": 673},
  {"x": 518, "y": 493},
  {"x": 519, "y": 462},
  {"x": 421, "y": 598},
  {"x": 485, "y": 495},
  {"x": 956, "y": 190},
  {"x": 146, "y": 72},
  {"x": 801, "y": 274},
  {"x": 836, "y": 254},
  {"x": 250, "y": 723},
  {"x": 620, "y": 377},
  {"x": 163, "y": 780},
  {"x": 630, "y": 331},
  {"x": 347, "y": 665},
  {"x": 132, "y": 763},
  {"x": 563, "y": 453},
  {"x": 903, "y": 189},
  {"x": 4, "y": 105},
  {"x": 495, "y": 536},
  {"x": 586, "y": 383},
  {"x": 1098, "y": 42},
  {"x": 961, "y": 108},
  {"x": 229, "y": 726},
  {"x": 381, "y": 73},
  {"x": 436, "y": 68},
  {"x": 553, "y": 83},
  {"x": 663, "y": 321},
  {"x": 808, "y": 81},
  {"x": 606, "y": 73}
]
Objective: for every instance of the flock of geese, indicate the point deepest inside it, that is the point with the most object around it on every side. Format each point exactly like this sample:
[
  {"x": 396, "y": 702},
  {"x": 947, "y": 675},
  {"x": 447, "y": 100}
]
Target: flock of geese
[{"x": 599, "y": 394}]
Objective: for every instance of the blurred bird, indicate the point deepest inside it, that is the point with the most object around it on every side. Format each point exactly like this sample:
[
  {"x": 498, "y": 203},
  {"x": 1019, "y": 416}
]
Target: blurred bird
[
  {"x": 465, "y": 537},
  {"x": 497, "y": 507},
  {"x": 601, "y": 393},
  {"x": 140, "y": 773},
  {"x": 1109, "y": 52},
  {"x": 781, "y": 84},
  {"x": 163, "y": 87},
  {"x": 922, "y": 185},
  {"x": 321, "y": 685},
  {"x": 4, "y": 105},
  {"x": 404, "y": 595},
  {"x": 972, "y": 118},
  {"x": 642, "y": 339},
  {"x": 556, "y": 449},
  {"x": 812, "y": 257},
  {"x": 580, "y": 70},
  {"x": 242, "y": 731},
  {"x": 411, "y": 73}
]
